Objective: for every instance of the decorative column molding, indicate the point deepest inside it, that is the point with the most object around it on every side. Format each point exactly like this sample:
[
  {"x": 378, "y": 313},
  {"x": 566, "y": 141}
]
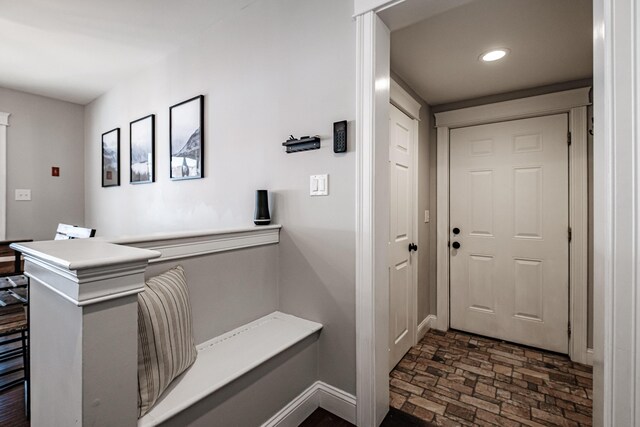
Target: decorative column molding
[
  {"x": 372, "y": 219},
  {"x": 4, "y": 123},
  {"x": 84, "y": 331},
  {"x": 616, "y": 358}
]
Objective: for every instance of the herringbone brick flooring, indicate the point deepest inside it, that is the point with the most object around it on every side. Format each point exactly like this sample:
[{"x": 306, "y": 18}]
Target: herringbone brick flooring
[{"x": 454, "y": 379}]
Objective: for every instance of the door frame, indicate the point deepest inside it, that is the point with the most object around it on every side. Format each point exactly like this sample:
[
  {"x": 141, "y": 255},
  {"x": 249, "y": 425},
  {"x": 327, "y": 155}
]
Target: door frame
[
  {"x": 573, "y": 102},
  {"x": 616, "y": 60},
  {"x": 401, "y": 99}
]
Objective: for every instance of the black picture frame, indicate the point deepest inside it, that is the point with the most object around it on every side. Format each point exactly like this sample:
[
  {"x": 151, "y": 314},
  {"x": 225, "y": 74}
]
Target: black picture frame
[
  {"x": 142, "y": 148},
  {"x": 186, "y": 136},
  {"x": 111, "y": 158}
]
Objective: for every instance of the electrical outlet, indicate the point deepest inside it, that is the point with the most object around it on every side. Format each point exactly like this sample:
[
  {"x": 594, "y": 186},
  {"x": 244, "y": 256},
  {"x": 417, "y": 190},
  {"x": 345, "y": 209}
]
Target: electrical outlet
[{"x": 23, "y": 195}]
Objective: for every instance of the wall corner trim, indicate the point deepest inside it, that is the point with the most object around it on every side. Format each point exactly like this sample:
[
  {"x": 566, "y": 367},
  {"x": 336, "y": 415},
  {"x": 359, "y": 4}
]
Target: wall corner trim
[
  {"x": 4, "y": 119},
  {"x": 319, "y": 394},
  {"x": 4, "y": 123}
]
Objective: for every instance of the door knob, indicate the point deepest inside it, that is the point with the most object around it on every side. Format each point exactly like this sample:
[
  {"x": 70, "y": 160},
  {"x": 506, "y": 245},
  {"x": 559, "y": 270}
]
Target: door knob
[
  {"x": 413, "y": 247},
  {"x": 456, "y": 230},
  {"x": 456, "y": 245}
]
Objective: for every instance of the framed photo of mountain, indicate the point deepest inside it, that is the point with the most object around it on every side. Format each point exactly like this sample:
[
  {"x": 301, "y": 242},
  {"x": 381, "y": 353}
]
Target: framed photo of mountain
[
  {"x": 111, "y": 158},
  {"x": 186, "y": 139},
  {"x": 141, "y": 149}
]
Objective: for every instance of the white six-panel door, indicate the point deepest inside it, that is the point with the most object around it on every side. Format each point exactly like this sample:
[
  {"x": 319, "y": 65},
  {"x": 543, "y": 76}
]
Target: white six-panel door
[
  {"x": 401, "y": 297},
  {"x": 509, "y": 200}
]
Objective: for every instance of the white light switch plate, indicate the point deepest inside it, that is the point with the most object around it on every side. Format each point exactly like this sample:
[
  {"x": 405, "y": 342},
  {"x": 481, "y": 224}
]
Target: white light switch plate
[
  {"x": 319, "y": 185},
  {"x": 427, "y": 217},
  {"x": 23, "y": 195}
]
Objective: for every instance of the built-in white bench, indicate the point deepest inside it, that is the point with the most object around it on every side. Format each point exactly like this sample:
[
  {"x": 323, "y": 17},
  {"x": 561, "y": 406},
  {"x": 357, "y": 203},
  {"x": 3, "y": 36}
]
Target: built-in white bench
[
  {"x": 223, "y": 359},
  {"x": 84, "y": 331}
]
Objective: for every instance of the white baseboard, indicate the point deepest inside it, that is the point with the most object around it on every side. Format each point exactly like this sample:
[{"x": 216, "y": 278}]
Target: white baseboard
[
  {"x": 337, "y": 401},
  {"x": 319, "y": 394},
  {"x": 428, "y": 323},
  {"x": 590, "y": 356}
]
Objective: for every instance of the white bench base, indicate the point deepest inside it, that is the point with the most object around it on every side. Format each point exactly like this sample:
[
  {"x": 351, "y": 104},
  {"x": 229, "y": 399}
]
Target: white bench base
[{"x": 227, "y": 357}]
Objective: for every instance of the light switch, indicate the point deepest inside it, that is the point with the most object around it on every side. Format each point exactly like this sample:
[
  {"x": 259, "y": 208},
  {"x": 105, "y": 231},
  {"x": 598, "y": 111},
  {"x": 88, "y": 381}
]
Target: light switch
[
  {"x": 23, "y": 195},
  {"x": 427, "y": 217},
  {"x": 319, "y": 185}
]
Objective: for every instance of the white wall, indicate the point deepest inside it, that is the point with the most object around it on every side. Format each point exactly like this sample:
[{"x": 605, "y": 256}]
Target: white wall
[
  {"x": 280, "y": 67},
  {"x": 42, "y": 133}
]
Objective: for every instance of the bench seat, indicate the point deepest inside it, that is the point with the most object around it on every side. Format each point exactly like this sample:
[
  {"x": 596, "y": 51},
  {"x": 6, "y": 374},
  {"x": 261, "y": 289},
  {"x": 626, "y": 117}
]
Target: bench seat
[{"x": 225, "y": 358}]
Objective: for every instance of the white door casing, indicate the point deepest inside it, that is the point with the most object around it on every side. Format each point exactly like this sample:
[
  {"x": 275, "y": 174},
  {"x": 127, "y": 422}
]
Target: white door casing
[
  {"x": 573, "y": 102},
  {"x": 4, "y": 123},
  {"x": 509, "y": 202},
  {"x": 402, "y": 264}
]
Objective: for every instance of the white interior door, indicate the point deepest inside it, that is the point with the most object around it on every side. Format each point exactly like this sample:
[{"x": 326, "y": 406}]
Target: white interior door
[
  {"x": 401, "y": 268},
  {"x": 509, "y": 194}
]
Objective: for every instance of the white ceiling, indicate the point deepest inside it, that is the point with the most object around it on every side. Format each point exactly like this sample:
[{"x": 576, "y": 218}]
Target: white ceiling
[
  {"x": 550, "y": 42},
  {"x": 76, "y": 50}
]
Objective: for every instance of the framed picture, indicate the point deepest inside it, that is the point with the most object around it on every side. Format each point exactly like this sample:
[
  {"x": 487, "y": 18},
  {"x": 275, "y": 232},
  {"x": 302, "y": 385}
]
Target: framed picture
[
  {"x": 142, "y": 143},
  {"x": 111, "y": 158},
  {"x": 186, "y": 139}
]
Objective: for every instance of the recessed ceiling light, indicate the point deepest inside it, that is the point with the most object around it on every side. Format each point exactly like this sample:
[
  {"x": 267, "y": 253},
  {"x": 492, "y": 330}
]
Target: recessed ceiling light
[{"x": 494, "y": 55}]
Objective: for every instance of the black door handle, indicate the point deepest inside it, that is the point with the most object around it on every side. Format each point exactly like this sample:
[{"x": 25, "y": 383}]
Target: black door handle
[
  {"x": 456, "y": 245},
  {"x": 413, "y": 247}
]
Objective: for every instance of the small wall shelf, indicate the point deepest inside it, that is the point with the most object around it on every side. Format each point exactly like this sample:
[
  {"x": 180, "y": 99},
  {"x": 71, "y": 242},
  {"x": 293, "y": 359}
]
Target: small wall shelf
[{"x": 305, "y": 143}]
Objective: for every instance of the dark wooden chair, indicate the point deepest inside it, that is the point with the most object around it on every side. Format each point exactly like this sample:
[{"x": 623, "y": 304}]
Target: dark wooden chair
[{"x": 14, "y": 324}]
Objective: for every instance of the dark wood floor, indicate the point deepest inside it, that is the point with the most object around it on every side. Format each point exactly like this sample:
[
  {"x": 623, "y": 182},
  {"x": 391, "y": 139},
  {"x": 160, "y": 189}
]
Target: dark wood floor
[
  {"x": 12, "y": 408},
  {"x": 12, "y": 400},
  {"x": 395, "y": 418}
]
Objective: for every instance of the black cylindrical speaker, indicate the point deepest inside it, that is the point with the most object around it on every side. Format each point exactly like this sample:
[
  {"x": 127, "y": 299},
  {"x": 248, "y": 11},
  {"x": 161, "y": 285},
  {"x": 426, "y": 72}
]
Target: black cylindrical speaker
[{"x": 261, "y": 216}]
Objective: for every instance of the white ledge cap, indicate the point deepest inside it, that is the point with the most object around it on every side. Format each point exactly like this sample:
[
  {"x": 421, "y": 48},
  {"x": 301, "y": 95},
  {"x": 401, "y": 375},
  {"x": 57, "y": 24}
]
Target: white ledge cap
[
  {"x": 127, "y": 240},
  {"x": 81, "y": 254}
]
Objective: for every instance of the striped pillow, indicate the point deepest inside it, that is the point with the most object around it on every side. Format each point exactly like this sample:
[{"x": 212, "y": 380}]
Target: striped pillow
[{"x": 165, "y": 339}]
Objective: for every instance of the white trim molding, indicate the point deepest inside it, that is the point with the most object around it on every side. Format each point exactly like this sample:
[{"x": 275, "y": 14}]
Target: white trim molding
[
  {"x": 319, "y": 394},
  {"x": 429, "y": 322},
  {"x": 541, "y": 105},
  {"x": 442, "y": 229},
  {"x": 4, "y": 123},
  {"x": 372, "y": 218},
  {"x": 616, "y": 357},
  {"x": 574, "y": 103},
  {"x": 86, "y": 271},
  {"x": 404, "y": 101},
  {"x": 173, "y": 246}
]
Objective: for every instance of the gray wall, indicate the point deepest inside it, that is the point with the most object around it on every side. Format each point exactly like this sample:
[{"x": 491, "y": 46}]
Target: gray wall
[
  {"x": 223, "y": 292},
  {"x": 263, "y": 78},
  {"x": 43, "y": 132}
]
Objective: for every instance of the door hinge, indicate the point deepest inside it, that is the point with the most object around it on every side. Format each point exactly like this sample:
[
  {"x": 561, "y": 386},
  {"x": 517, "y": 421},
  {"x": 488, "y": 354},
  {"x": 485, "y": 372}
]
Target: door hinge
[
  {"x": 569, "y": 329},
  {"x": 569, "y": 138},
  {"x": 569, "y": 233}
]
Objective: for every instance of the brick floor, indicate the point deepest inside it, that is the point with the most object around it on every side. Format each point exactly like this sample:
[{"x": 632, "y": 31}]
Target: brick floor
[{"x": 459, "y": 379}]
